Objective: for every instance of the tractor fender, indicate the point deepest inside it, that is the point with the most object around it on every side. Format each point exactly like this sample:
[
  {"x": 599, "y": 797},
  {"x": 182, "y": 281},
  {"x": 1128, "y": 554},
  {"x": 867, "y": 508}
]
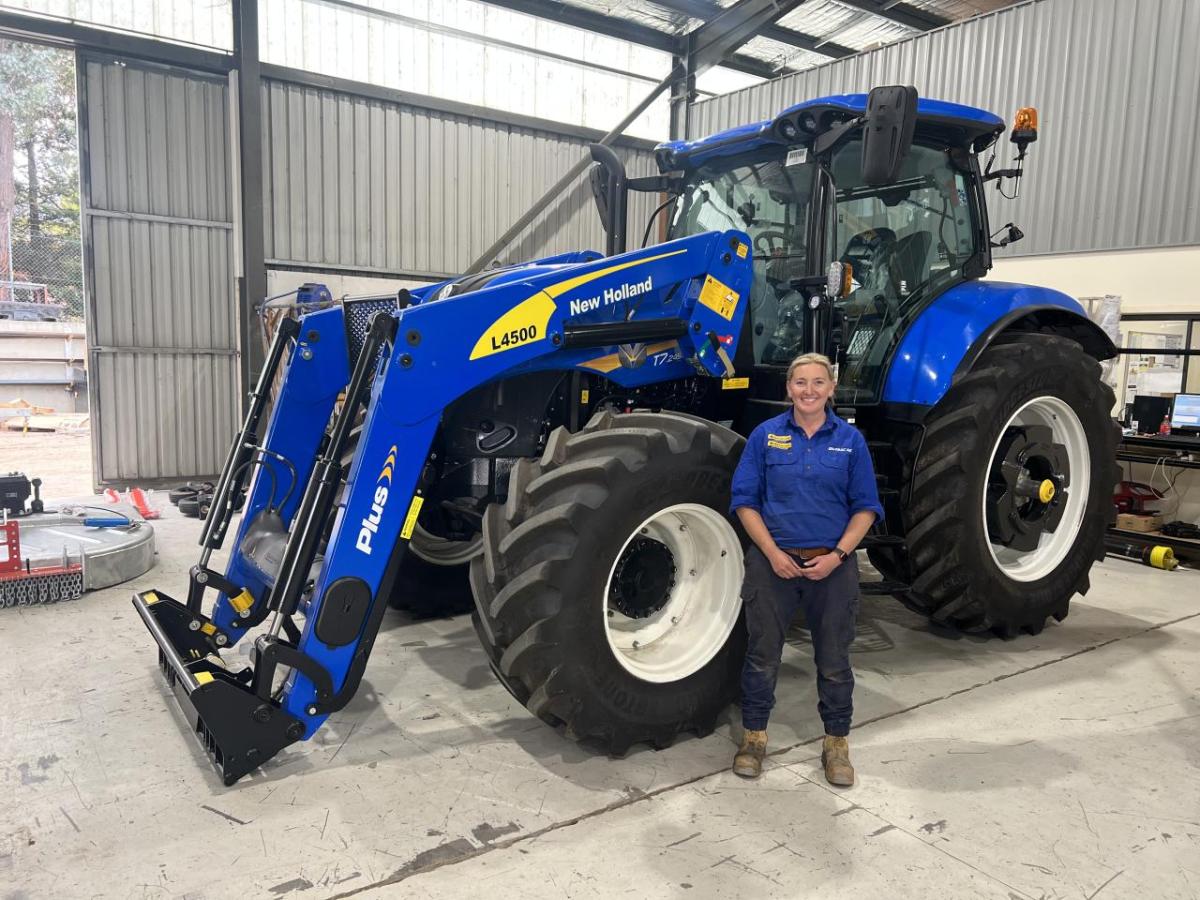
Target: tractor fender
[{"x": 947, "y": 337}]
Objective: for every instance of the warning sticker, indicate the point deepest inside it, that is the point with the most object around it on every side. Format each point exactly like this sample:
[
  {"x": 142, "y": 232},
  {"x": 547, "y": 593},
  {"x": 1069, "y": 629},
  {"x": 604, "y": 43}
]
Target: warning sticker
[
  {"x": 718, "y": 297},
  {"x": 734, "y": 384},
  {"x": 410, "y": 520}
]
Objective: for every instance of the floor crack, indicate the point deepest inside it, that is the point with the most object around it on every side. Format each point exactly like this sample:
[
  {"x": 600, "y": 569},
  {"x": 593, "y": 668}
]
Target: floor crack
[{"x": 650, "y": 795}]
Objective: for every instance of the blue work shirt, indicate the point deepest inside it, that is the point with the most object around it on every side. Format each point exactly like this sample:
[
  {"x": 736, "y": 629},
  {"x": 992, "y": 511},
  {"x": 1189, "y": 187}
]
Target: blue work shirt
[{"x": 806, "y": 489}]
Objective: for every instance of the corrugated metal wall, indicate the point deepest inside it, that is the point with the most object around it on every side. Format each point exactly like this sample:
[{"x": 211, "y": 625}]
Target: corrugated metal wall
[
  {"x": 382, "y": 187},
  {"x": 1117, "y": 87},
  {"x": 158, "y": 270}
]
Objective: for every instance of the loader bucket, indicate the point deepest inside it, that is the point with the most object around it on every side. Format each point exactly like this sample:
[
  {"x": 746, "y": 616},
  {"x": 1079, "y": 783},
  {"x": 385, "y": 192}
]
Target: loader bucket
[{"x": 235, "y": 727}]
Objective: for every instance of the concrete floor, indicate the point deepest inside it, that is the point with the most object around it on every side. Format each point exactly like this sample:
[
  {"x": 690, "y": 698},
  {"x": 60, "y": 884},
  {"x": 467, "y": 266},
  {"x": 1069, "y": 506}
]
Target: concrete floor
[{"x": 1062, "y": 765}]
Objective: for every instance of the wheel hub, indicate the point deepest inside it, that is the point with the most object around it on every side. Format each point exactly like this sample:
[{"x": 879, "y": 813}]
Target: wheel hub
[
  {"x": 1027, "y": 487},
  {"x": 643, "y": 579}
]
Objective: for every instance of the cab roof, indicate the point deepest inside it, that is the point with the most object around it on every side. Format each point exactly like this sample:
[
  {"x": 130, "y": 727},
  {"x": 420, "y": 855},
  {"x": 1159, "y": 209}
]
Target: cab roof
[{"x": 952, "y": 123}]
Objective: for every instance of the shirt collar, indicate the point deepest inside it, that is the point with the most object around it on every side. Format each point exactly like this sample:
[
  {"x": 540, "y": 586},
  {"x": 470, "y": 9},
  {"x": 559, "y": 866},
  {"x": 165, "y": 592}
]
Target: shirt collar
[{"x": 832, "y": 422}]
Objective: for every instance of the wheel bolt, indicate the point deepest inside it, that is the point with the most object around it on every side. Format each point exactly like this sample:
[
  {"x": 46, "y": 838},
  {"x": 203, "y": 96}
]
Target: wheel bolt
[
  {"x": 682, "y": 527},
  {"x": 724, "y": 552},
  {"x": 692, "y": 572},
  {"x": 674, "y": 620},
  {"x": 636, "y": 645},
  {"x": 611, "y": 613},
  {"x": 645, "y": 530}
]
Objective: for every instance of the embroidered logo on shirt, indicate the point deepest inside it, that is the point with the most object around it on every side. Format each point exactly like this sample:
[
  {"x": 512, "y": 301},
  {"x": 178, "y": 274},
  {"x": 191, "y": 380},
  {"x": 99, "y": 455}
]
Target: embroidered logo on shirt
[{"x": 840, "y": 449}]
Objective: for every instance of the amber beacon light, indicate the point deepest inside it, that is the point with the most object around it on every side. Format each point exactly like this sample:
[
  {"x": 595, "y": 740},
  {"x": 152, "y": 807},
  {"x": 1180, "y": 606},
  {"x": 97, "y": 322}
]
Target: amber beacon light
[{"x": 1024, "y": 130}]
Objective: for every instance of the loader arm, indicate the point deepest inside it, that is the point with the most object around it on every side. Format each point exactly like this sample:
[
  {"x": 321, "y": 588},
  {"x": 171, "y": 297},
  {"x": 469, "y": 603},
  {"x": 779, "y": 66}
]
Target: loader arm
[{"x": 685, "y": 294}]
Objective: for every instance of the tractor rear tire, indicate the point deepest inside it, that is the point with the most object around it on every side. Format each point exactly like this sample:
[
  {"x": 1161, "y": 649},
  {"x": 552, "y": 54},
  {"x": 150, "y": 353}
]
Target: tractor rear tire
[
  {"x": 625, "y": 501},
  {"x": 962, "y": 579}
]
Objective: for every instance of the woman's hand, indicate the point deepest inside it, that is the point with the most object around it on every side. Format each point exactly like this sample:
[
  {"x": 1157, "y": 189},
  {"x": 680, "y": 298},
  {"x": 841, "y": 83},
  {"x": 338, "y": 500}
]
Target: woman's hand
[
  {"x": 784, "y": 564},
  {"x": 820, "y": 566}
]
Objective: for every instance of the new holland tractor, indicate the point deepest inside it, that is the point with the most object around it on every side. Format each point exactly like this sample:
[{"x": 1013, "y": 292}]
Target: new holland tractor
[{"x": 555, "y": 440}]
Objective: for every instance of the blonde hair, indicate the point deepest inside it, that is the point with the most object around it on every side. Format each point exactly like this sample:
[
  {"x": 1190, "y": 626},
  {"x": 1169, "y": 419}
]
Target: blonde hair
[{"x": 811, "y": 359}]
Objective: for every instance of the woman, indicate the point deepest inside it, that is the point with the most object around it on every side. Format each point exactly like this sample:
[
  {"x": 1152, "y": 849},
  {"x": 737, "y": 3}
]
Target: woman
[{"x": 804, "y": 490}]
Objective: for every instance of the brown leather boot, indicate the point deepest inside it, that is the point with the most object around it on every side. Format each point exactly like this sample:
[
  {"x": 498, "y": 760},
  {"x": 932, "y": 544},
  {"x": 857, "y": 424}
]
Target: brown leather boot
[
  {"x": 749, "y": 759},
  {"x": 835, "y": 757}
]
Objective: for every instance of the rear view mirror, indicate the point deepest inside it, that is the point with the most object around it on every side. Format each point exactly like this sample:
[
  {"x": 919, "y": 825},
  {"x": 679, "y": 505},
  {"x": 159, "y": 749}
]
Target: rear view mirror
[
  {"x": 887, "y": 132},
  {"x": 609, "y": 188}
]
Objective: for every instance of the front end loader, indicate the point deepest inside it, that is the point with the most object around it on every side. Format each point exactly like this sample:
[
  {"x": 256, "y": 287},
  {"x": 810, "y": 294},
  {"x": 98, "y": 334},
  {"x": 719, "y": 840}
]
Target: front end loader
[{"x": 318, "y": 549}]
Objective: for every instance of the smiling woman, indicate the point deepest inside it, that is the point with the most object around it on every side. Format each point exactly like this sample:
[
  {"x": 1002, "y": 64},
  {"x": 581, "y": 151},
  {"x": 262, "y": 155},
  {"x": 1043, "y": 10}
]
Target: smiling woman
[{"x": 805, "y": 492}]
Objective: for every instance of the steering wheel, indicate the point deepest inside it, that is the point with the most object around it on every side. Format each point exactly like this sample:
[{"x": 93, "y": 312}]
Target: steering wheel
[{"x": 766, "y": 242}]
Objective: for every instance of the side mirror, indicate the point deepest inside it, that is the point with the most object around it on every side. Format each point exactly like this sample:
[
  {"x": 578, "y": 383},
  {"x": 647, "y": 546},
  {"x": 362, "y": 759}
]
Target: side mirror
[
  {"x": 609, "y": 188},
  {"x": 887, "y": 132},
  {"x": 1012, "y": 235}
]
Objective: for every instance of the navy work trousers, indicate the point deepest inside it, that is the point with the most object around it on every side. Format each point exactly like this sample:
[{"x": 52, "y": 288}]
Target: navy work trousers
[{"x": 831, "y": 610}]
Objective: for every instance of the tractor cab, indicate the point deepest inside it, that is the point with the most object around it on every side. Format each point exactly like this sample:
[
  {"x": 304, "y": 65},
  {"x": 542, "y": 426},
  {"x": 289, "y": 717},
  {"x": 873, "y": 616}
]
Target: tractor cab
[{"x": 887, "y": 188}]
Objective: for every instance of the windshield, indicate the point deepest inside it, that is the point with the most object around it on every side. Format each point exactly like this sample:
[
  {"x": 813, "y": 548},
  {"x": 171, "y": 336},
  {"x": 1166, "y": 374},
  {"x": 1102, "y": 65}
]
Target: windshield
[
  {"x": 906, "y": 242},
  {"x": 767, "y": 194}
]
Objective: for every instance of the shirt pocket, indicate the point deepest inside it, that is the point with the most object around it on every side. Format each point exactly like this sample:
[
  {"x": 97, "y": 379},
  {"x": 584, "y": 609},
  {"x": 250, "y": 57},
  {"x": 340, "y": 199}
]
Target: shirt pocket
[
  {"x": 781, "y": 473},
  {"x": 778, "y": 458},
  {"x": 835, "y": 460}
]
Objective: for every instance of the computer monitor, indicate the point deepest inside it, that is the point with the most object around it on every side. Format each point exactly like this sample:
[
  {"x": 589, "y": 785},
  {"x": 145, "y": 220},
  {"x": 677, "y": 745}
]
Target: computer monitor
[
  {"x": 1147, "y": 413},
  {"x": 1185, "y": 415}
]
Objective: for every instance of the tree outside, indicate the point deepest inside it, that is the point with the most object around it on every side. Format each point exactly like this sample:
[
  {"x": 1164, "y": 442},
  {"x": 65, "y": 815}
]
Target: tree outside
[{"x": 39, "y": 179}]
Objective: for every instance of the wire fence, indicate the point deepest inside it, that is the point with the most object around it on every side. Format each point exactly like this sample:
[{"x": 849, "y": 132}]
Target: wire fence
[{"x": 45, "y": 277}]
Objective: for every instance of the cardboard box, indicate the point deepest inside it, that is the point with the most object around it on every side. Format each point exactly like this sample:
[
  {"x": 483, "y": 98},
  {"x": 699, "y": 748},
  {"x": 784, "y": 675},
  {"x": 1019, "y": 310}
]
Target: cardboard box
[{"x": 1132, "y": 522}]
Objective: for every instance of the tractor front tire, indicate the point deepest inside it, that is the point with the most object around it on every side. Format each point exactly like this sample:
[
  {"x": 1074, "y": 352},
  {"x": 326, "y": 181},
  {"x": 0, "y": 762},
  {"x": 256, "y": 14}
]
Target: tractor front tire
[
  {"x": 608, "y": 593},
  {"x": 962, "y": 577}
]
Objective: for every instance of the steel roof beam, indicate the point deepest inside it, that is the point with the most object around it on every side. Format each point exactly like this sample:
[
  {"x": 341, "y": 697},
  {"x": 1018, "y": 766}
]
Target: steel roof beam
[
  {"x": 643, "y": 35},
  {"x": 706, "y": 10},
  {"x": 906, "y": 15}
]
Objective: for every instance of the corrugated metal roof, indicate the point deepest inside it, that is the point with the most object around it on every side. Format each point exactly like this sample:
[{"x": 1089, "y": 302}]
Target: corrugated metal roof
[{"x": 843, "y": 23}]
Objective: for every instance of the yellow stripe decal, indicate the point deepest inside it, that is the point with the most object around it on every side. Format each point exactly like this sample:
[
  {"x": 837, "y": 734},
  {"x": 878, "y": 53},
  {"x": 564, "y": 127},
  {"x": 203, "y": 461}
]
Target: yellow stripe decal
[
  {"x": 528, "y": 320},
  {"x": 613, "y": 361},
  {"x": 557, "y": 290}
]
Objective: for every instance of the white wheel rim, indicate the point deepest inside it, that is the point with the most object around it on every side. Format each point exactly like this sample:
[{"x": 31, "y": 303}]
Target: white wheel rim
[
  {"x": 703, "y": 604},
  {"x": 439, "y": 551},
  {"x": 1054, "y": 546}
]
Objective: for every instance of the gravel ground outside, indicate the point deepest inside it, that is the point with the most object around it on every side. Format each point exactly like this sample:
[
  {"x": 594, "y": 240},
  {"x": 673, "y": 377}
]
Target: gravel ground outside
[{"x": 63, "y": 461}]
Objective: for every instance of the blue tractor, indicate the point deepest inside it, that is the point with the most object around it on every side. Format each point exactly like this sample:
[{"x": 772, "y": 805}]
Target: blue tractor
[{"x": 553, "y": 442}]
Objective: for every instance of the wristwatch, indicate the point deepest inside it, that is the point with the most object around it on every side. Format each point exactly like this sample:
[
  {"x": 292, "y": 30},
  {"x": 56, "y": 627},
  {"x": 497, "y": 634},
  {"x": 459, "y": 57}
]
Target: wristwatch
[{"x": 842, "y": 554}]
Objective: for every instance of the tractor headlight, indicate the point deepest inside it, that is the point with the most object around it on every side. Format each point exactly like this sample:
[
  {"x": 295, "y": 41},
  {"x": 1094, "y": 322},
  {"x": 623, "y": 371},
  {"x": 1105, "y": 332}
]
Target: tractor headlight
[{"x": 788, "y": 130}]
